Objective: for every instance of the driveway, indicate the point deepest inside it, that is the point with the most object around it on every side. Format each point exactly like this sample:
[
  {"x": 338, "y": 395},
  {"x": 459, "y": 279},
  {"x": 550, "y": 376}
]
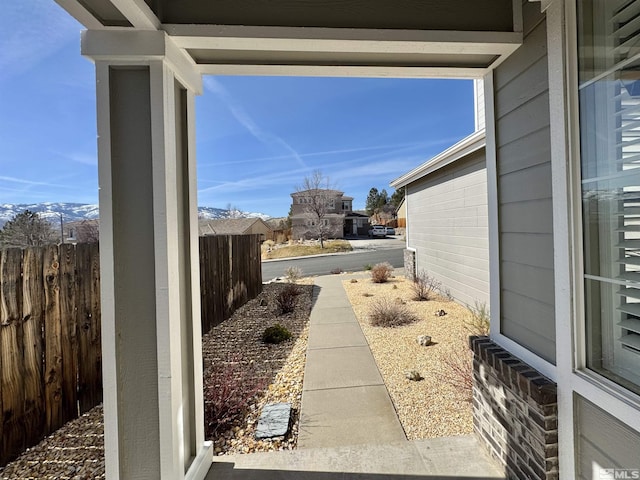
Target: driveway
[{"x": 365, "y": 243}]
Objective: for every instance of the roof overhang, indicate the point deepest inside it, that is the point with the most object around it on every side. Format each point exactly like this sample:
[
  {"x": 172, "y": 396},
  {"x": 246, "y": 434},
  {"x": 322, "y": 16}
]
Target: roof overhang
[
  {"x": 378, "y": 38},
  {"x": 460, "y": 150}
]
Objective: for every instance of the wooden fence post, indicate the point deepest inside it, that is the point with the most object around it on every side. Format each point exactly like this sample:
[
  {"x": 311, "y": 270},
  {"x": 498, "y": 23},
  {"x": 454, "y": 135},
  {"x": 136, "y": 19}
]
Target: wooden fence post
[
  {"x": 33, "y": 341},
  {"x": 12, "y": 375},
  {"x": 52, "y": 334},
  {"x": 69, "y": 344}
]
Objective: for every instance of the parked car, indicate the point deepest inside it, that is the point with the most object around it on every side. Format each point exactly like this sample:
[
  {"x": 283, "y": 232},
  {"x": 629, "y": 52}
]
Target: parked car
[
  {"x": 390, "y": 231},
  {"x": 378, "y": 231}
]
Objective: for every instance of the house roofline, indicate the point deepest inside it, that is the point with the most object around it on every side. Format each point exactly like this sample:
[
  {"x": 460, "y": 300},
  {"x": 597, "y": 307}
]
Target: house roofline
[{"x": 464, "y": 147}]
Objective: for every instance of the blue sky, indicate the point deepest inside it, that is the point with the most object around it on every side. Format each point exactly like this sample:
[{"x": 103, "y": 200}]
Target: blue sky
[{"x": 257, "y": 137}]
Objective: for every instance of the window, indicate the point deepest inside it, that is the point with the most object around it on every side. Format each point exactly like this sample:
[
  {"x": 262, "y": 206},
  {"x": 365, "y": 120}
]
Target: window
[{"x": 609, "y": 100}]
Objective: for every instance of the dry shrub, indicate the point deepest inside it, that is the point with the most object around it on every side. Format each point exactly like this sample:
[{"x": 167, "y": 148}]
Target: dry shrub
[
  {"x": 424, "y": 286},
  {"x": 480, "y": 320},
  {"x": 230, "y": 386},
  {"x": 384, "y": 313},
  {"x": 293, "y": 274},
  {"x": 287, "y": 299},
  {"x": 381, "y": 272},
  {"x": 457, "y": 368}
]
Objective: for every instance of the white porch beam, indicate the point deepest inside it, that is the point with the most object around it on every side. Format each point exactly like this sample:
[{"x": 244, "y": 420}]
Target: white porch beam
[
  {"x": 295, "y": 39},
  {"x": 134, "y": 46},
  {"x": 138, "y": 13},
  {"x": 81, "y": 14},
  {"x": 343, "y": 71}
]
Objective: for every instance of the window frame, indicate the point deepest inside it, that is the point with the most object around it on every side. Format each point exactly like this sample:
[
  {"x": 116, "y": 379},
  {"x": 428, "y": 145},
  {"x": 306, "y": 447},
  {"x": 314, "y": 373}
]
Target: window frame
[{"x": 580, "y": 297}]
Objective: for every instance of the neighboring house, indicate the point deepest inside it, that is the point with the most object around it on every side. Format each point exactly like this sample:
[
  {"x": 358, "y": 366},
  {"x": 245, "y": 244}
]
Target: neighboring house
[
  {"x": 356, "y": 223},
  {"x": 557, "y": 390},
  {"x": 333, "y": 206},
  {"x": 401, "y": 214},
  {"x": 82, "y": 231},
  {"x": 235, "y": 226},
  {"x": 446, "y": 230}
]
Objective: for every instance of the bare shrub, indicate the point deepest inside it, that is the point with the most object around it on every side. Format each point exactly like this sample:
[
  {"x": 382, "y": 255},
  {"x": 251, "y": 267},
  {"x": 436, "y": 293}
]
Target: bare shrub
[
  {"x": 445, "y": 293},
  {"x": 381, "y": 272},
  {"x": 480, "y": 320},
  {"x": 230, "y": 386},
  {"x": 293, "y": 274},
  {"x": 287, "y": 299},
  {"x": 384, "y": 313},
  {"x": 457, "y": 368},
  {"x": 424, "y": 286}
]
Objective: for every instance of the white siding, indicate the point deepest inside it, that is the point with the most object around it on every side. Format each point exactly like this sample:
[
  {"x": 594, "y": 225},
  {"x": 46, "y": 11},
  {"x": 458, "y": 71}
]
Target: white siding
[
  {"x": 523, "y": 152},
  {"x": 603, "y": 442},
  {"x": 447, "y": 225}
]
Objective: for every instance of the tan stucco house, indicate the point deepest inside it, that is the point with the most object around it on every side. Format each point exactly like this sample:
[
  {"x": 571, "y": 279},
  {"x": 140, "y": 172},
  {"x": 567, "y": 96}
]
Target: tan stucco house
[
  {"x": 557, "y": 390},
  {"x": 318, "y": 212},
  {"x": 235, "y": 226}
]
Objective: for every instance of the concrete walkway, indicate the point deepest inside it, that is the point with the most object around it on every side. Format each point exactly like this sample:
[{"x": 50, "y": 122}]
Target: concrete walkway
[
  {"x": 341, "y": 377},
  {"x": 348, "y": 427}
]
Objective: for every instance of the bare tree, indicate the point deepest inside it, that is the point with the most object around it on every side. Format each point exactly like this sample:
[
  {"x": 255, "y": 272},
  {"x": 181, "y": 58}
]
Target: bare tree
[
  {"x": 233, "y": 211},
  {"x": 318, "y": 194},
  {"x": 26, "y": 229},
  {"x": 88, "y": 231}
]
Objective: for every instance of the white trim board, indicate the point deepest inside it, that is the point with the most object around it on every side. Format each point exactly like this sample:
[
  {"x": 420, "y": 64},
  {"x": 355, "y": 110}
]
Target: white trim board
[{"x": 464, "y": 147}]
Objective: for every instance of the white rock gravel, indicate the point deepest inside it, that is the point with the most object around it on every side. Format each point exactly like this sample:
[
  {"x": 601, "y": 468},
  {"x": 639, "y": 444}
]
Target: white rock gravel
[{"x": 430, "y": 407}]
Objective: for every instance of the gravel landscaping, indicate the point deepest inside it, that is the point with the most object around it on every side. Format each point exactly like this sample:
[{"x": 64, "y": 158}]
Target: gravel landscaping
[{"x": 430, "y": 407}]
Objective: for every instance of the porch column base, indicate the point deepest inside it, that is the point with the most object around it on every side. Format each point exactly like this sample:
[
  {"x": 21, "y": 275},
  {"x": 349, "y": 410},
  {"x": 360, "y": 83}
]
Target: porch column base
[{"x": 201, "y": 464}]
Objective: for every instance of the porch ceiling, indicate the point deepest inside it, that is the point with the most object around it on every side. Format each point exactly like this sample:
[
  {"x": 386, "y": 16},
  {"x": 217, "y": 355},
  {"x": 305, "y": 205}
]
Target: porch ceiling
[{"x": 404, "y": 38}]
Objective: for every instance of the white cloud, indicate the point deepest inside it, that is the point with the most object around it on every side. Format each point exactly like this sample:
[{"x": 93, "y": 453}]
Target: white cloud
[
  {"x": 30, "y": 31},
  {"x": 243, "y": 117}
]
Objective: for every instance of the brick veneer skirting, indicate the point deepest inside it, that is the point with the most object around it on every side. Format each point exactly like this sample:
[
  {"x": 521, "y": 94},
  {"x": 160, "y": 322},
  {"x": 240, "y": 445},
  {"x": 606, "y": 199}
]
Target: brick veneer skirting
[{"x": 515, "y": 412}]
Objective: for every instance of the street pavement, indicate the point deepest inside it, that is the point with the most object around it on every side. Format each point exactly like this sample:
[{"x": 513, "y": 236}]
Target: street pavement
[{"x": 365, "y": 252}]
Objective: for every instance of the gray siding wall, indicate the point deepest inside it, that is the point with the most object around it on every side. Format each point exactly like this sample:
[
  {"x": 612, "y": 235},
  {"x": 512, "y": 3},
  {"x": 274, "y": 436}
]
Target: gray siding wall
[
  {"x": 524, "y": 191},
  {"x": 603, "y": 441},
  {"x": 447, "y": 225}
]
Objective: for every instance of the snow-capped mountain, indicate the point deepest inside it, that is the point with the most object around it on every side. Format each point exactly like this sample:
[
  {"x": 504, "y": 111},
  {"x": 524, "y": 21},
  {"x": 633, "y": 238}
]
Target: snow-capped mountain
[{"x": 73, "y": 212}]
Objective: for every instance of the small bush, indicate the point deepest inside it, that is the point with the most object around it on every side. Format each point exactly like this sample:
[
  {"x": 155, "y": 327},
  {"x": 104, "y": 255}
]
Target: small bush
[
  {"x": 287, "y": 299},
  {"x": 368, "y": 266},
  {"x": 480, "y": 320},
  {"x": 276, "y": 334},
  {"x": 353, "y": 280},
  {"x": 336, "y": 271},
  {"x": 445, "y": 293},
  {"x": 384, "y": 313},
  {"x": 424, "y": 286},
  {"x": 381, "y": 272},
  {"x": 456, "y": 368},
  {"x": 293, "y": 274},
  {"x": 229, "y": 388}
]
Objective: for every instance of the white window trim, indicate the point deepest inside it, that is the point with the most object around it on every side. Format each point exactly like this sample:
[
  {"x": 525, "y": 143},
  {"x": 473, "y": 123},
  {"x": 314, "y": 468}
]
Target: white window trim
[
  {"x": 573, "y": 376},
  {"x": 543, "y": 366}
]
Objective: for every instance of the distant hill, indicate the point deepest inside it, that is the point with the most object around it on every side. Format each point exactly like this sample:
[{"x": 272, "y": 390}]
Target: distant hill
[{"x": 73, "y": 212}]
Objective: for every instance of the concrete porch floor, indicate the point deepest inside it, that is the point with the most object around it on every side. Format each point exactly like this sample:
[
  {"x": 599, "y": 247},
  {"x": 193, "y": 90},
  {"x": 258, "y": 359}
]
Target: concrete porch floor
[
  {"x": 439, "y": 458},
  {"x": 348, "y": 425}
]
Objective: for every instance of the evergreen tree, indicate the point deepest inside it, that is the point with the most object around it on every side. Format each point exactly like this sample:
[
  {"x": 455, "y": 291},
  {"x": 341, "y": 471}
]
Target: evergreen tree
[
  {"x": 26, "y": 229},
  {"x": 397, "y": 197}
]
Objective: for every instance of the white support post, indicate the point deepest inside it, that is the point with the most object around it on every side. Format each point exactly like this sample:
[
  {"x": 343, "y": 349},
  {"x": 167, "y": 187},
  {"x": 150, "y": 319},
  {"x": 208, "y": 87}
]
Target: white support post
[{"x": 153, "y": 400}]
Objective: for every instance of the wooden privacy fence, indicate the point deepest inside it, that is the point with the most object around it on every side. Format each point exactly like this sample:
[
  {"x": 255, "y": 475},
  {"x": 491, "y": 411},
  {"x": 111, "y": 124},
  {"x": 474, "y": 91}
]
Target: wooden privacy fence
[
  {"x": 50, "y": 337},
  {"x": 230, "y": 275},
  {"x": 50, "y": 353}
]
